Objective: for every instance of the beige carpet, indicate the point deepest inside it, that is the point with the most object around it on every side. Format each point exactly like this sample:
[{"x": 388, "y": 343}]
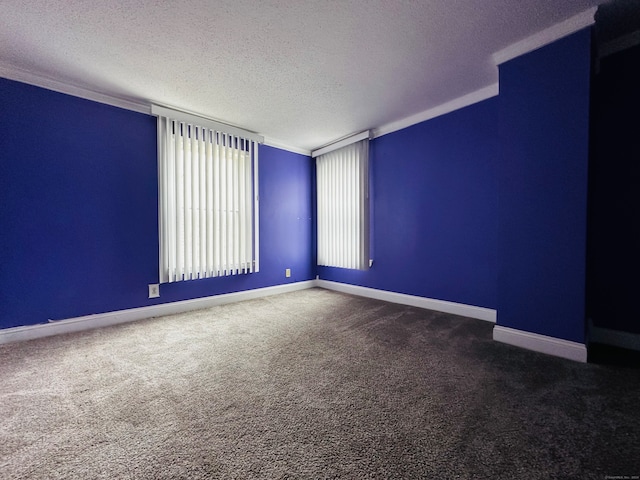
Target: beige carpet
[{"x": 311, "y": 384}]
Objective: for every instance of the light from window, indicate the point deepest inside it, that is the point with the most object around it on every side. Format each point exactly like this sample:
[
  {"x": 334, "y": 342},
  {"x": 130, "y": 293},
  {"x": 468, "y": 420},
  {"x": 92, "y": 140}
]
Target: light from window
[
  {"x": 343, "y": 206},
  {"x": 208, "y": 202}
]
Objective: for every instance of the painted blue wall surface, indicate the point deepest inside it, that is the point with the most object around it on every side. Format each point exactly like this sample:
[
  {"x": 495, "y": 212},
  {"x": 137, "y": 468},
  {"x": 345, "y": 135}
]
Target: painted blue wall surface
[
  {"x": 483, "y": 206},
  {"x": 544, "y": 137},
  {"x": 78, "y": 211},
  {"x": 434, "y": 192},
  {"x": 285, "y": 230}
]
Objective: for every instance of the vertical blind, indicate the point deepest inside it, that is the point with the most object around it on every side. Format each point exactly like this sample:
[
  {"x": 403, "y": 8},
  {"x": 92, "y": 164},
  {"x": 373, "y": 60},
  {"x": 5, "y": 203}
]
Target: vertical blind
[
  {"x": 343, "y": 206},
  {"x": 208, "y": 185}
]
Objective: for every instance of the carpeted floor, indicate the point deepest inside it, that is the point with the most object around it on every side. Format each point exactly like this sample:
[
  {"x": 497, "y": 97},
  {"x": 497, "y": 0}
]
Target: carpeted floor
[{"x": 311, "y": 384}]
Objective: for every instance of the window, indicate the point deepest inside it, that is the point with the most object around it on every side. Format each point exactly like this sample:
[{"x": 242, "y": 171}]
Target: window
[
  {"x": 208, "y": 198},
  {"x": 343, "y": 203}
]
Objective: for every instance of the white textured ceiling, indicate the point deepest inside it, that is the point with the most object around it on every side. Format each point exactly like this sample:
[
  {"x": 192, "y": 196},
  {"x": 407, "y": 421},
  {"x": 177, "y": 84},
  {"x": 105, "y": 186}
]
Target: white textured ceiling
[{"x": 303, "y": 73}]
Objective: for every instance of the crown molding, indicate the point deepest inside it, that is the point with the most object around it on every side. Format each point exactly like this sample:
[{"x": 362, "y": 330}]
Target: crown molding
[
  {"x": 546, "y": 36},
  {"x": 25, "y": 76},
  {"x": 272, "y": 142},
  {"x": 12, "y": 72},
  {"x": 447, "y": 107},
  {"x": 330, "y": 147}
]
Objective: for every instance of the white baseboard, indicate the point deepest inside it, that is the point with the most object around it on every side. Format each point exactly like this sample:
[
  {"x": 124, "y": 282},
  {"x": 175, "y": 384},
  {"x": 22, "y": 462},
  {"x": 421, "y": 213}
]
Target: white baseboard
[
  {"x": 462, "y": 309},
  {"x": 541, "y": 343},
  {"x": 616, "y": 338},
  {"x": 30, "y": 332}
]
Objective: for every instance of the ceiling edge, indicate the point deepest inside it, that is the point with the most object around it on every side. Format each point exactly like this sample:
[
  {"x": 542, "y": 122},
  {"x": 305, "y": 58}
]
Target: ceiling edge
[
  {"x": 455, "y": 104},
  {"x": 546, "y": 36},
  {"x": 14, "y": 73},
  {"x": 272, "y": 142}
]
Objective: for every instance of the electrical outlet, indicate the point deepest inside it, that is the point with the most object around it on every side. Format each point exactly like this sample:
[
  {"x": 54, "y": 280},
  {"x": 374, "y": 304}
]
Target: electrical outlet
[
  {"x": 154, "y": 290},
  {"x": 287, "y": 272}
]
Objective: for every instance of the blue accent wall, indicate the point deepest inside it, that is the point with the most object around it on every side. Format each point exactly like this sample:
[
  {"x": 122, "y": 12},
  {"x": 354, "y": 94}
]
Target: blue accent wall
[
  {"x": 434, "y": 225},
  {"x": 483, "y": 206},
  {"x": 542, "y": 178},
  {"x": 78, "y": 211}
]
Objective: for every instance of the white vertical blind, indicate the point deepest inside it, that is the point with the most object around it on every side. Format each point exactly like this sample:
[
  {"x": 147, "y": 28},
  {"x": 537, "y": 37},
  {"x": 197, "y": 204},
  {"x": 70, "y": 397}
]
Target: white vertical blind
[
  {"x": 208, "y": 201},
  {"x": 343, "y": 206}
]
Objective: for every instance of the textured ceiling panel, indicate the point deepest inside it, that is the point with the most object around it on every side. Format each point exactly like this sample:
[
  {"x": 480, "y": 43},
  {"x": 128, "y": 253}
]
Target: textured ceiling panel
[{"x": 301, "y": 72}]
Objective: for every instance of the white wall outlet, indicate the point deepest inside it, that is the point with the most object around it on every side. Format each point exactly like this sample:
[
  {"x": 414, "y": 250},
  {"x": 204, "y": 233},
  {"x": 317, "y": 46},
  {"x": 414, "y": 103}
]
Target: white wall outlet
[
  {"x": 154, "y": 290},
  {"x": 287, "y": 272}
]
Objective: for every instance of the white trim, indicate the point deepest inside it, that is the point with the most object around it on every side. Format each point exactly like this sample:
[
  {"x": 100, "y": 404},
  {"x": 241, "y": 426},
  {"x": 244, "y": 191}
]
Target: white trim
[
  {"x": 526, "y": 45},
  {"x": 272, "y": 142},
  {"x": 99, "y": 320},
  {"x": 19, "y": 75},
  {"x": 541, "y": 343},
  {"x": 481, "y": 313},
  {"x": 11, "y": 72},
  {"x": 616, "y": 338},
  {"x": 341, "y": 143},
  {"x": 448, "y": 107},
  {"x": 546, "y": 36},
  {"x": 203, "y": 121}
]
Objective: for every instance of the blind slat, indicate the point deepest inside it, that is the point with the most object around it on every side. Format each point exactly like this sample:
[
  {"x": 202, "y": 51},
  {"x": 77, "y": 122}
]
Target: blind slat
[
  {"x": 208, "y": 202},
  {"x": 342, "y": 207}
]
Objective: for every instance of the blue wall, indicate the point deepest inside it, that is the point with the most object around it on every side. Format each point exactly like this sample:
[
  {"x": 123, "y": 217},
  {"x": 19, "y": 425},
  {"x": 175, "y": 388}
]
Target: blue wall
[
  {"x": 542, "y": 178},
  {"x": 483, "y": 206},
  {"x": 78, "y": 211},
  {"x": 435, "y": 209}
]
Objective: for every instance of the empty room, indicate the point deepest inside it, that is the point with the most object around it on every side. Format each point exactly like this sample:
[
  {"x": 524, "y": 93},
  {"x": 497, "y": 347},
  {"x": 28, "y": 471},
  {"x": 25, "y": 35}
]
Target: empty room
[{"x": 319, "y": 239}]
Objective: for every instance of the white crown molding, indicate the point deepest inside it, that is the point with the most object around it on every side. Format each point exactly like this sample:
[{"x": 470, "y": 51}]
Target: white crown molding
[
  {"x": 272, "y": 142},
  {"x": 533, "y": 42},
  {"x": 333, "y": 146},
  {"x": 455, "y": 104},
  {"x": 541, "y": 343},
  {"x": 546, "y": 36},
  {"x": 540, "y": 39},
  {"x": 13, "y": 73},
  {"x": 480, "y": 313},
  {"x": 30, "y": 332}
]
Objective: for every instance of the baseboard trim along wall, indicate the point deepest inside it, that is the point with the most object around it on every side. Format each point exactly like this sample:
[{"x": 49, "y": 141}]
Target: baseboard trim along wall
[
  {"x": 532, "y": 341},
  {"x": 541, "y": 343},
  {"x": 462, "y": 309},
  {"x": 616, "y": 338},
  {"x": 30, "y": 332}
]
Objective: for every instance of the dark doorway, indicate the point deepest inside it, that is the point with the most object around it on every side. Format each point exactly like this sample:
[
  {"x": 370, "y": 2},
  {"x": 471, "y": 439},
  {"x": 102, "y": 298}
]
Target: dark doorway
[{"x": 613, "y": 240}]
